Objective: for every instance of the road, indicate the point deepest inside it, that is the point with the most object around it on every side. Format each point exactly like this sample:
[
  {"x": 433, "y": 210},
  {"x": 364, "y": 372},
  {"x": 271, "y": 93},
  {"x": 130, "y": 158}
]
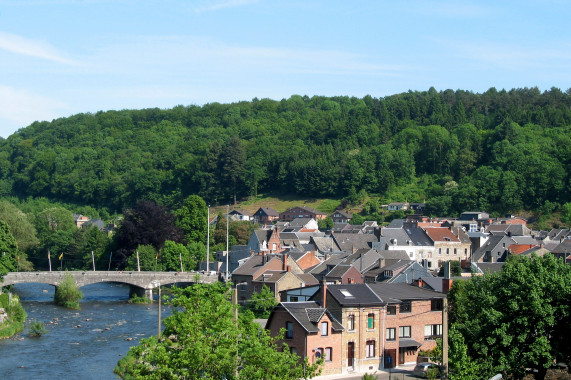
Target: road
[{"x": 398, "y": 374}]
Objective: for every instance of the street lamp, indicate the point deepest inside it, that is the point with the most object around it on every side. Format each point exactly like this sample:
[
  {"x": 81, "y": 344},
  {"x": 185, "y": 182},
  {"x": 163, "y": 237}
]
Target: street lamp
[{"x": 158, "y": 284}]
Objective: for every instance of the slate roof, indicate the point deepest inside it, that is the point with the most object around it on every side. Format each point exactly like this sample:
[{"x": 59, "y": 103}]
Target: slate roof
[
  {"x": 348, "y": 242},
  {"x": 300, "y": 222},
  {"x": 253, "y": 264},
  {"x": 324, "y": 244},
  {"x": 268, "y": 211},
  {"x": 434, "y": 282},
  {"x": 527, "y": 240},
  {"x": 488, "y": 267},
  {"x": 389, "y": 234},
  {"x": 343, "y": 213},
  {"x": 494, "y": 244},
  {"x": 349, "y": 295},
  {"x": 403, "y": 292},
  {"x": 396, "y": 223},
  {"x": 513, "y": 229},
  {"x": 307, "y": 278},
  {"x": 563, "y": 247},
  {"x": 417, "y": 236},
  {"x": 308, "y": 314},
  {"x": 338, "y": 271},
  {"x": 239, "y": 212}
]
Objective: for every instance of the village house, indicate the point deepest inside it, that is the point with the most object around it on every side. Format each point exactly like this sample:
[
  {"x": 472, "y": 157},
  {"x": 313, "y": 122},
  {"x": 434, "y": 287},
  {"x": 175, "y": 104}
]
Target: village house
[
  {"x": 240, "y": 215},
  {"x": 382, "y": 325},
  {"x": 266, "y": 215},
  {"x": 301, "y": 212}
]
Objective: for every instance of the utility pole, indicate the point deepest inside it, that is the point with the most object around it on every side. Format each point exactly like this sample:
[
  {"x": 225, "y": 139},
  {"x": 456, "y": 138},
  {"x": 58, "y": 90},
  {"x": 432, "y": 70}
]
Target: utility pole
[
  {"x": 444, "y": 370},
  {"x": 208, "y": 240},
  {"x": 227, "y": 251}
]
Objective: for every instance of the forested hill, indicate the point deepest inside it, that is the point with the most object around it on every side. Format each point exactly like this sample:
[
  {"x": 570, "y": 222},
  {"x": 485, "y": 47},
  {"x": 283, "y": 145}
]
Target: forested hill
[{"x": 500, "y": 150}]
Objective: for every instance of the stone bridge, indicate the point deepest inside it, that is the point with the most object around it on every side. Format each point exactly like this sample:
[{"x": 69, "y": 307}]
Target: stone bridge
[{"x": 140, "y": 283}]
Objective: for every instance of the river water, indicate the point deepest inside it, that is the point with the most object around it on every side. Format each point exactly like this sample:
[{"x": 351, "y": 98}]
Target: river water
[{"x": 80, "y": 344}]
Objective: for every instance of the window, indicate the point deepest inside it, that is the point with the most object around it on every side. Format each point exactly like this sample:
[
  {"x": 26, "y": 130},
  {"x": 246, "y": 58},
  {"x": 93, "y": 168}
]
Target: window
[
  {"x": 391, "y": 333},
  {"x": 391, "y": 310},
  {"x": 466, "y": 251},
  {"x": 371, "y": 321},
  {"x": 324, "y": 328},
  {"x": 404, "y": 332},
  {"x": 289, "y": 330},
  {"x": 293, "y": 299},
  {"x": 328, "y": 354},
  {"x": 351, "y": 323},
  {"x": 318, "y": 353},
  {"x": 455, "y": 251},
  {"x": 436, "y": 305},
  {"x": 447, "y": 251},
  {"x": 440, "y": 251},
  {"x": 293, "y": 350},
  {"x": 432, "y": 332},
  {"x": 370, "y": 348},
  {"x": 405, "y": 307}
]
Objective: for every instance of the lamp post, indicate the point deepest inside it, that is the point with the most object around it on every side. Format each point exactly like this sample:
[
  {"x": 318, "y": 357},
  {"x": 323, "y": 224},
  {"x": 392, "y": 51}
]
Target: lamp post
[{"x": 158, "y": 284}]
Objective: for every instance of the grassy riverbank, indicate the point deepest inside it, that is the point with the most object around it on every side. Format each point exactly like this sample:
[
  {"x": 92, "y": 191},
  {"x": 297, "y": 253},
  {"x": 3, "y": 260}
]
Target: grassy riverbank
[{"x": 15, "y": 315}]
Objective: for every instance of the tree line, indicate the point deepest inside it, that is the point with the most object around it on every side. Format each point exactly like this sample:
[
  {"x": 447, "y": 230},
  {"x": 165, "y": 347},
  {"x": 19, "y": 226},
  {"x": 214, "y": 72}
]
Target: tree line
[{"x": 499, "y": 150}]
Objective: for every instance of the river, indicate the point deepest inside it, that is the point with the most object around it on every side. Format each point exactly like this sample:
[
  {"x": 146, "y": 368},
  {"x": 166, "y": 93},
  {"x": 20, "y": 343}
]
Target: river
[{"x": 80, "y": 344}]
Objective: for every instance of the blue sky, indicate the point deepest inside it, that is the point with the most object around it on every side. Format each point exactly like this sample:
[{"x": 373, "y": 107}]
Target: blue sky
[{"x": 62, "y": 57}]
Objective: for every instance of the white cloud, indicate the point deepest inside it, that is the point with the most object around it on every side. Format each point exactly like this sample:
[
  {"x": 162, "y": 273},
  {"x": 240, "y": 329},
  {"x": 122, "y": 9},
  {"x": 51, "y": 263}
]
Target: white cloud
[
  {"x": 20, "y": 45},
  {"x": 198, "y": 56},
  {"x": 20, "y": 108},
  {"x": 216, "y": 5}
]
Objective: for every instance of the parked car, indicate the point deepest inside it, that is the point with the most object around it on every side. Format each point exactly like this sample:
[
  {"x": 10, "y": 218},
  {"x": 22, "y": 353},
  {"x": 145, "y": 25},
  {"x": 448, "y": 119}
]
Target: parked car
[{"x": 421, "y": 369}]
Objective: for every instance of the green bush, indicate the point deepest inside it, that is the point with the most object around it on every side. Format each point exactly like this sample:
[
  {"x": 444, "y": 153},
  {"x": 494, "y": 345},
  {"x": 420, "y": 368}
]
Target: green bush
[
  {"x": 16, "y": 316},
  {"x": 67, "y": 293},
  {"x": 37, "y": 328},
  {"x": 139, "y": 300}
]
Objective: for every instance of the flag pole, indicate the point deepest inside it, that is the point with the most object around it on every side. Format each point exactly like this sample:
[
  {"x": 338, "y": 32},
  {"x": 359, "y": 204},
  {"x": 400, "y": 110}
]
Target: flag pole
[
  {"x": 109, "y": 267},
  {"x": 50, "y": 260},
  {"x": 93, "y": 260},
  {"x": 138, "y": 266}
]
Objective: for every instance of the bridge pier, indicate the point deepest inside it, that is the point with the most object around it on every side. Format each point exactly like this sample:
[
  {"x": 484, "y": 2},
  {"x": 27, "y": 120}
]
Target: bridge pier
[{"x": 135, "y": 290}]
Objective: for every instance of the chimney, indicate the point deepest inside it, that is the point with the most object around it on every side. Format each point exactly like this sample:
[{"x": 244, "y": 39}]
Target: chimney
[
  {"x": 324, "y": 293},
  {"x": 284, "y": 267},
  {"x": 446, "y": 281}
]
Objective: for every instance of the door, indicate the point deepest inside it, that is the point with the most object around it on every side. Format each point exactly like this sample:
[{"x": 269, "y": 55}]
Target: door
[
  {"x": 402, "y": 351},
  {"x": 390, "y": 358},
  {"x": 350, "y": 354}
]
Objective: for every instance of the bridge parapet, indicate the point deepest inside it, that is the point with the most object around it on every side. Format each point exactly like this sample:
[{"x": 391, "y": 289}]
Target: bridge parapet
[{"x": 145, "y": 280}]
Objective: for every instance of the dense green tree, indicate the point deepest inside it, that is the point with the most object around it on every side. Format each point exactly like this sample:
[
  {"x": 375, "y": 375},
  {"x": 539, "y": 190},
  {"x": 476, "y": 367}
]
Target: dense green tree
[
  {"x": 262, "y": 303},
  {"x": 519, "y": 318},
  {"x": 191, "y": 218},
  {"x": 149, "y": 259},
  {"x": 566, "y": 213},
  {"x": 176, "y": 257},
  {"x": 198, "y": 346},
  {"x": 8, "y": 250},
  {"x": 22, "y": 229}
]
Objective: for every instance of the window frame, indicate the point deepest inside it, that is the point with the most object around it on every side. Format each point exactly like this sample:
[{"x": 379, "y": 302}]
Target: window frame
[
  {"x": 370, "y": 348},
  {"x": 405, "y": 307},
  {"x": 289, "y": 331},
  {"x": 351, "y": 322},
  {"x": 371, "y": 321},
  {"x": 403, "y": 330},
  {"x": 328, "y": 357},
  {"x": 391, "y": 334},
  {"x": 392, "y": 310},
  {"x": 324, "y": 328}
]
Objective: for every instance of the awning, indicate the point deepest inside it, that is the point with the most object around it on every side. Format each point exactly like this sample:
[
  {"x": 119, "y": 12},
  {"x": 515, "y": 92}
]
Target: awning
[{"x": 409, "y": 343}]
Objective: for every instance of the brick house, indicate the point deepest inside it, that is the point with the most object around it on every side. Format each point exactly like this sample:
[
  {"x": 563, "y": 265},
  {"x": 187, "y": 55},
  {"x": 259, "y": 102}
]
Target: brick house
[
  {"x": 340, "y": 216},
  {"x": 382, "y": 321},
  {"x": 301, "y": 212},
  {"x": 258, "y": 266},
  {"x": 266, "y": 215},
  {"x": 311, "y": 331}
]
